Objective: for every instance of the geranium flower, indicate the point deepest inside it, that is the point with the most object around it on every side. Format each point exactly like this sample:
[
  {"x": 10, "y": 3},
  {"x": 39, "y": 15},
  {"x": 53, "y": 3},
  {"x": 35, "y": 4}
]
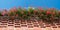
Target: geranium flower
[
  {"x": 19, "y": 7},
  {"x": 40, "y": 8},
  {"x": 4, "y": 12},
  {"x": 15, "y": 9},
  {"x": 48, "y": 12},
  {"x": 11, "y": 10},
  {"x": 49, "y": 9},
  {"x": 53, "y": 9}
]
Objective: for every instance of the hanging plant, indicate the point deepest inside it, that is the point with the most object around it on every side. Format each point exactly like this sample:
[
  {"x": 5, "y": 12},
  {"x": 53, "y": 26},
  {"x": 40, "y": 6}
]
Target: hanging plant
[{"x": 31, "y": 13}]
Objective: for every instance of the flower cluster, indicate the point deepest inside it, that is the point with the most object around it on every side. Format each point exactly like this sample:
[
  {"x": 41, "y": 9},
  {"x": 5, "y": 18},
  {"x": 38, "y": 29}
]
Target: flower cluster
[{"x": 38, "y": 13}]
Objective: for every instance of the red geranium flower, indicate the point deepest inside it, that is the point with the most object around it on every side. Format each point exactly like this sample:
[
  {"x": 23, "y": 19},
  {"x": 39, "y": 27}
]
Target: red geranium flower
[{"x": 48, "y": 12}]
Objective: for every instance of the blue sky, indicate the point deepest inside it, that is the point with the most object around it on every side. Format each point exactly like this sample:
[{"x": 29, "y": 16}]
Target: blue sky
[{"x": 26, "y": 3}]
